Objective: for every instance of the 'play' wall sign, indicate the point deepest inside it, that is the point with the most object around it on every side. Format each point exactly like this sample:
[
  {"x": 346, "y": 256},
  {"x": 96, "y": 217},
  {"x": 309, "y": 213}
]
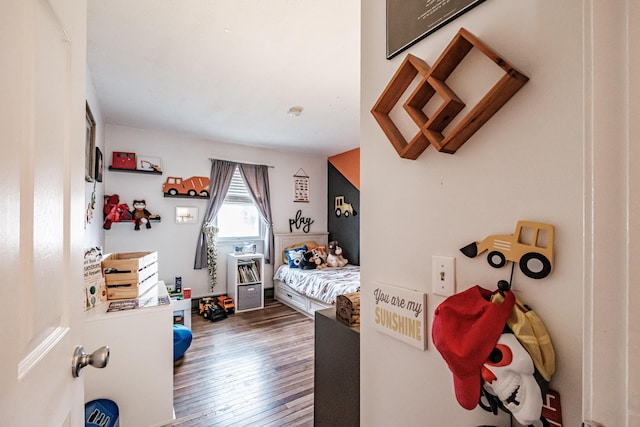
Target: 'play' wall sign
[{"x": 400, "y": 313}]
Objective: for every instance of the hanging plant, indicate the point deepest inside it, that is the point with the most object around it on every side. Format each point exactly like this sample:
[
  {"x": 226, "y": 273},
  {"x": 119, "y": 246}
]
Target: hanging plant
[{"x": 211, "y": 232}]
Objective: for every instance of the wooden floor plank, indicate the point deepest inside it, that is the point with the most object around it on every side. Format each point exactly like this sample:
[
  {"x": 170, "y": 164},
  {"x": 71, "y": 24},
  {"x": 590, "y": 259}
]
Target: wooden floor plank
[{"x": 252, "y": 369}]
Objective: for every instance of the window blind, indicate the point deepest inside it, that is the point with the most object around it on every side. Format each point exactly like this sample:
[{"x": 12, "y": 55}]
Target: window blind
[{"x": 238, "y": 192}]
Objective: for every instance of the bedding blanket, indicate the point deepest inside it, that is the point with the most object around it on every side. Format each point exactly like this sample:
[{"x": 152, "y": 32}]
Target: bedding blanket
[{"x": 325, "y": 284}]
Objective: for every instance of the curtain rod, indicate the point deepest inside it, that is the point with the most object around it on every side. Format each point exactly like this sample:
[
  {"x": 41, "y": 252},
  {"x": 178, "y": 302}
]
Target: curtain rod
[{"x": 246, "y": 163}]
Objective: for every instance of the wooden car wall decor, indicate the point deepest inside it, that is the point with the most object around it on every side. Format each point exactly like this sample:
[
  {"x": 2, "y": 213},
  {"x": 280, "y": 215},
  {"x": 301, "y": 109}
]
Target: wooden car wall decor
[
  {"x": 433, "y": 130},
  {"x": 193, "y": 187},
  {"x": 531, "y": 246},
  {"x": 344, "y": 209}
]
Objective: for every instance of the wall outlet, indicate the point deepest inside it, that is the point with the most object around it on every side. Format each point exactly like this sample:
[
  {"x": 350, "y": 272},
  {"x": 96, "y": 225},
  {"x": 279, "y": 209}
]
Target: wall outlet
[{"x": 443, "y": 275}]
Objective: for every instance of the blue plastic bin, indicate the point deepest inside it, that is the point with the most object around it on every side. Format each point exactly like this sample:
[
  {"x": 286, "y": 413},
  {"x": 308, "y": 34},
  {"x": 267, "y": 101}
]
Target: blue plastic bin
[{"x": 101, "y": 413}]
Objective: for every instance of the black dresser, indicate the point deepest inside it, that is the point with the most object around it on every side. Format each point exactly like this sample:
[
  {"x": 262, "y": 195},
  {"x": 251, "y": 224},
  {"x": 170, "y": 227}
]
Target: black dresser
[{"x": 337, "y": 372}]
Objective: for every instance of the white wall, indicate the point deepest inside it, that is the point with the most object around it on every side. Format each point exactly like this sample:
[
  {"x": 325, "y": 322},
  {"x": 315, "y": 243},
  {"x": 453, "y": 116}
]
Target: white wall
[
  {"x": 185, "y": 156},
  {"x": 93, "y": 232},
  {"x": 550, "y": 155},
  {"x": 633, "y": 396}
]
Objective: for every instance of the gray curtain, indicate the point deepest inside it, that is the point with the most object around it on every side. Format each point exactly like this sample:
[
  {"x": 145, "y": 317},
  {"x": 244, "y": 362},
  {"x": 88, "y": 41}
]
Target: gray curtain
[
  {"x": 257, "y": 179},
  {"x": 221, "y": 174}
]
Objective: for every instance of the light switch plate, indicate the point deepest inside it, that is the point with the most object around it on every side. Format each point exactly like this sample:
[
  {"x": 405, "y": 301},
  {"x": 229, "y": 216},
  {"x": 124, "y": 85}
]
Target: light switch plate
[{"x": 443, "y": 275}]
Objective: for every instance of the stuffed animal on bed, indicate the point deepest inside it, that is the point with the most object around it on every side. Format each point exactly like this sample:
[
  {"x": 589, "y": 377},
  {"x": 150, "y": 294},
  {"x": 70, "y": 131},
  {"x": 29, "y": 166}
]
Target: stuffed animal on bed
[
  {"x": 335, "y": 258},
  {"x": 307, "y": 262},
  {"x": 313, "y": 259},
  {"x": 319, "y": 258}
]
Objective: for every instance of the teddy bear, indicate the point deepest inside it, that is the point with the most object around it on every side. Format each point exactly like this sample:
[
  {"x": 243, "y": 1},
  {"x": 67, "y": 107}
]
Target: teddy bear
[
  {"x": 140, "y": 214},
  {"x": 114, "y": 211},
  {"x": 335, "y": 258}
]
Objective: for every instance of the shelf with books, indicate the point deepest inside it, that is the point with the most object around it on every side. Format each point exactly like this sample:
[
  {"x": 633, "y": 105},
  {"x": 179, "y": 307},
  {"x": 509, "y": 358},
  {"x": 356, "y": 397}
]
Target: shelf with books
[
  {"x": 244, "y": 281},
  {"x": 248, "y": 271}
]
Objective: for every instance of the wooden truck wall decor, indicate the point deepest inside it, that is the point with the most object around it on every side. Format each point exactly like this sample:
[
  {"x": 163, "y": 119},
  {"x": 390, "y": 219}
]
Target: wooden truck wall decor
[
  {"x": 344, "y": 208},
  {"x": 531, "y": 246},
  {"x": 196, "y": 186}
]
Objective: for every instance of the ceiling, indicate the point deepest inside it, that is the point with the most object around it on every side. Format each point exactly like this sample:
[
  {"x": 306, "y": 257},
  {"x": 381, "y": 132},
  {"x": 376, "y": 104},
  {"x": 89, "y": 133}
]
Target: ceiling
[{"x": 229, "y": 70}]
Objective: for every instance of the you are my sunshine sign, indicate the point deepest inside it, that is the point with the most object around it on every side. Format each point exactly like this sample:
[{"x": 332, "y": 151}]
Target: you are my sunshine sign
[{"x": 401, "y": 313}]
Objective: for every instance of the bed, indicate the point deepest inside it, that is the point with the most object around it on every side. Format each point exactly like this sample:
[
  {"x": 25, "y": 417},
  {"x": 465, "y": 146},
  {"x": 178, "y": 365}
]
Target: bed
[{"x": 310, "y": 290}]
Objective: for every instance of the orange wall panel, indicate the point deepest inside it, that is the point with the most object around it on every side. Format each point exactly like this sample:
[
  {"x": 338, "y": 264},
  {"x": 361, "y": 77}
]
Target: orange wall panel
[{"x": 348, "y": 164}]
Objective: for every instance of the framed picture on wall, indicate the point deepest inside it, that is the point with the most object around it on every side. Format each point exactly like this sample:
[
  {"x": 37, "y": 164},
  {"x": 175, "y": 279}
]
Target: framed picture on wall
[
  {"x": 409, "y": 21},
  {"x": 99, "y": 165},
  {"x": 90, "y": 145},
  {"x": 186, "y": 215}
]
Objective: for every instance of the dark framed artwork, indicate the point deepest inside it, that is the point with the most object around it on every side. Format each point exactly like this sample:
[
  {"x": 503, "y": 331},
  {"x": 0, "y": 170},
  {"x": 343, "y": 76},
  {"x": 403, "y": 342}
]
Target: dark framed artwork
[
  {"x": 409, "y": 21},
  {"x": 90, "y": 146},
  {"x": 99, "y": 165}
]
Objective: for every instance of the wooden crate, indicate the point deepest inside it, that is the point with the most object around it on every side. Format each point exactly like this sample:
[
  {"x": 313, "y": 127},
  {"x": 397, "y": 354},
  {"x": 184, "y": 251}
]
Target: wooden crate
[
  {"x": 129, "y": 261},
  {"x": 130, "y": 274},
  {"x": 131, "y": 289},
  {"x": 348, "y": 308}
]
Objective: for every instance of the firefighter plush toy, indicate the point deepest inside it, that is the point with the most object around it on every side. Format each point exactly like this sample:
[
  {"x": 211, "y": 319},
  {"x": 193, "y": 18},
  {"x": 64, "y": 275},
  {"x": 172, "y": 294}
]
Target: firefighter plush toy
[{"x": 498, "y": 351}]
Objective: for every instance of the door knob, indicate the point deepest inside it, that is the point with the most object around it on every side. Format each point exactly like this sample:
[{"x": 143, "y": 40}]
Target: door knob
[{"x": 97, "y": 359}]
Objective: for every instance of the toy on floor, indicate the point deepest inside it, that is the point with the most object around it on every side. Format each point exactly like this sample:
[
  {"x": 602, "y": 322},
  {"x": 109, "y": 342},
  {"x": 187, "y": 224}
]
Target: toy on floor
[
  {"x": 101, "y": 413},
  {"x": 182, "y": 337},
  {"x": 226, "y": 303},
  {"x": 210, "y": 309}
]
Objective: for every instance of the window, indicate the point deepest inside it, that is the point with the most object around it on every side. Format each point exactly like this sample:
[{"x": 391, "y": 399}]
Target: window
[{"x": 239, "y": 217}]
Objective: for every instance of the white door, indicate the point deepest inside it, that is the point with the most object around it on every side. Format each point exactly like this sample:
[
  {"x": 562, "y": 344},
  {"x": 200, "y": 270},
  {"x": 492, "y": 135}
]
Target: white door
[{"x": 42, "y": 102}]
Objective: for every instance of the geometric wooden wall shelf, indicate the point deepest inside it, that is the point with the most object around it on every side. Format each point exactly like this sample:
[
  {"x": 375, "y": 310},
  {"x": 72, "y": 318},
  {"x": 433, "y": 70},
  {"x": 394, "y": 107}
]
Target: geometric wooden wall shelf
[
  {"x": 434, "y": 82},
  {"x": 404, "y": 76}
]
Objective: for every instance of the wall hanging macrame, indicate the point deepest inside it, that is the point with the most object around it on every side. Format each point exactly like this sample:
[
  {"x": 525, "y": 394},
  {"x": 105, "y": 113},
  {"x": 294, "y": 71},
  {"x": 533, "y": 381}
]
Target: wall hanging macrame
[{"x": 210, "y": 231}]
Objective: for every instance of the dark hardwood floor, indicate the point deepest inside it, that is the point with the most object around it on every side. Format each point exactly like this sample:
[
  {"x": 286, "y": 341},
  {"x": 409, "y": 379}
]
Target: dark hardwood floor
[{"x": 251, "y": 369}]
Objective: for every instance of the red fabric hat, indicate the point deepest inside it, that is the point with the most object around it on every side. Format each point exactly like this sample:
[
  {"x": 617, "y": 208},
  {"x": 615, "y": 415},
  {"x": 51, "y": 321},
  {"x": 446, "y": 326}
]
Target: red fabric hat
[{"x": 466, "y": 328}]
